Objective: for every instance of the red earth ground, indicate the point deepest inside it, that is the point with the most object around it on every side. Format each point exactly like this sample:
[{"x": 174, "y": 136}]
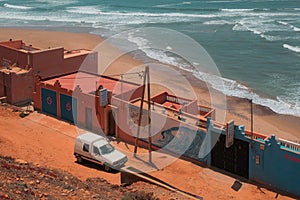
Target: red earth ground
[{"x": 48, "y": 143}]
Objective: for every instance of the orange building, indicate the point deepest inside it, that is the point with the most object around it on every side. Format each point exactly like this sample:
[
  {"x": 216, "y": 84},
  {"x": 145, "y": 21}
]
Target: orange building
[
  {"x": 20, "y": 62},
  {"x": 81, "y": 98}
]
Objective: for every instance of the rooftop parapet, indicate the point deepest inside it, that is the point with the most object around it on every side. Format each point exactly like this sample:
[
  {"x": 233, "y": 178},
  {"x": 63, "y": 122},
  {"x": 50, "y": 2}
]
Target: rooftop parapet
[
  {"x": 77, "y": 52},
  {"x": 18, "y": 45}
]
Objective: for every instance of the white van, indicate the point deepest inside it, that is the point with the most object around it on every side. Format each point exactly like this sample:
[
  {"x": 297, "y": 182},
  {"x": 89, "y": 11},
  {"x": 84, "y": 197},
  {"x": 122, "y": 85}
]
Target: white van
[{"x": 95, "y": 148}]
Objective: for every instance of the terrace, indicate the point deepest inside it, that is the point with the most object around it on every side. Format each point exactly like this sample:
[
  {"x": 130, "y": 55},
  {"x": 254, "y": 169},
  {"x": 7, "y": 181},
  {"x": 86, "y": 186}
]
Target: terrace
[
  {"x": 77, "y": 52},
  {"x": 179, "y": 109}
]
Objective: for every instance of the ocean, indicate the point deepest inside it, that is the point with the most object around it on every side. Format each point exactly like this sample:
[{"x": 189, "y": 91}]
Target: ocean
[{"x": 254, "y": 43}]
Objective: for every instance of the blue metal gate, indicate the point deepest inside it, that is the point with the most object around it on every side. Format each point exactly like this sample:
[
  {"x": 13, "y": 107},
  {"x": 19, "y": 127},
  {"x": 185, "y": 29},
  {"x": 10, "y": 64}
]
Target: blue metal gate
[
  {"x": 68, "y": 108},
  {"x": 49, "y": 104}
]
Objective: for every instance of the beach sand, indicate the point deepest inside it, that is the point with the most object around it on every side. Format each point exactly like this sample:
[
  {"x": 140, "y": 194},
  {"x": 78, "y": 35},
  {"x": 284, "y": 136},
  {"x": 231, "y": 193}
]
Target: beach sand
[{"x": 265, "y": 121}]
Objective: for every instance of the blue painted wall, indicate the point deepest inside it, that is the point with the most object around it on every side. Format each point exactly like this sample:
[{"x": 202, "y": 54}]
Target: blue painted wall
[
  {"x": 277, "y": 166},
  {"x": 269, "y": 162}
]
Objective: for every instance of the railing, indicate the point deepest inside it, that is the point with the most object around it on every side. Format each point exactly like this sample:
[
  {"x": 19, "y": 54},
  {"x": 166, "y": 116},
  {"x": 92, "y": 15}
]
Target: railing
[
  {"x": 177, "y": 100},
  {"x": 205, "y": 109},
  {"x": 255, "y": 135},
  {"x": 218, "y": 125},
  {"x": 288, "y": 144},
  {"x": 211, "y": 114}
]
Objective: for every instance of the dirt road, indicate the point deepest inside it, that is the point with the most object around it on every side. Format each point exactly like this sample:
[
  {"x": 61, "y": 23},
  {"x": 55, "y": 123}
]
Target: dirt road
[{"x": 48, "y": 142}]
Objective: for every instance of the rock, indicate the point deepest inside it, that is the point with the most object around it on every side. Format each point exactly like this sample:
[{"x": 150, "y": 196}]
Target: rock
[
  {"x": 31, "y": 182},
  {"x": 45, "y": 194},
  {"x": 25, "y": 189},
  {"x": 21, "y": 162},
  {"x": 96, "y": 196},
  {"x": 66, "y": 191},
  {"x": 63, "y": 194},
  {"x": 37, "y": 181}
]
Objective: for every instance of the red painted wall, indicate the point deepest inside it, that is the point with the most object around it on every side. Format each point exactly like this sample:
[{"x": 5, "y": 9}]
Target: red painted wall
[
  {"x": 131, "y": 94},
  {"x": 2, "y": 84},
  {"x": 21, "y": 87},
  {"x": 5, "y": 81},
  {"x": 160, "y": 121},
  {"x": 191, "y": 108},
  {"x": 47, "y": 63},
  {"x": 87, "y": 63},
  {"x": 160, "y": 98},
  {"x": 13, "y": 56},
  {"x": 83, "y": 101}
]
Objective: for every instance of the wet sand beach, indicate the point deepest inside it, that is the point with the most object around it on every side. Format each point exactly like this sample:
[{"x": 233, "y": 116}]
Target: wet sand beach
[{"x": 265, "y": 120}]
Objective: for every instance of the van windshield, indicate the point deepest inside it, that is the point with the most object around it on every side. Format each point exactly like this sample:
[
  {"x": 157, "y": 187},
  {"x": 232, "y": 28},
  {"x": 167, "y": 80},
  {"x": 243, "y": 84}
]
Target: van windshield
[{"x": 106, "y": 149}]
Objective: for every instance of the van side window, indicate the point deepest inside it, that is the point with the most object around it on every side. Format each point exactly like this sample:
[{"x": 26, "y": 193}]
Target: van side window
[
  {"x": 86, "y": 147},
  {"x": 96, "y": 150}
]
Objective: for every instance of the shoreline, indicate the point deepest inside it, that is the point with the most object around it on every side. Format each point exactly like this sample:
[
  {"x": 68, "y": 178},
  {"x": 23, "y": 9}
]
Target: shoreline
[{"x": 266, "y": 121}]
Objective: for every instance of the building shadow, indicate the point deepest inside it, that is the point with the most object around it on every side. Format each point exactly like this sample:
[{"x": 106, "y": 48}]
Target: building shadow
[{"x": 161, "y": 183}]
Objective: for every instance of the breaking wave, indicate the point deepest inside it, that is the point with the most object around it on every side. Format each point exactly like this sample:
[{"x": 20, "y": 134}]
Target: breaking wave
[
  {"x": 229, "y": 87},
  {"x": 17, "y": 7},
  {"x": 292, "y": 48},
  {"x": 84, "y": 10}
]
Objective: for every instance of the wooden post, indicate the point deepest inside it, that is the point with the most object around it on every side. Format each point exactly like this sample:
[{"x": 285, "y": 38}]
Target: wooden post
[
  {"x": 149, "y": 115},
  {"x": 122, "y": 96},
  {"x": 251, "y": 107},
  {"x": 146, "y": 77},
  {"x": 140, "y": 114}
]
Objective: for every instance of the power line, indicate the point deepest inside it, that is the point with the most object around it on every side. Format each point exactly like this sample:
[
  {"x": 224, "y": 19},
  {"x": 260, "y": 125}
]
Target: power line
[{"x": 140, "y": 74}]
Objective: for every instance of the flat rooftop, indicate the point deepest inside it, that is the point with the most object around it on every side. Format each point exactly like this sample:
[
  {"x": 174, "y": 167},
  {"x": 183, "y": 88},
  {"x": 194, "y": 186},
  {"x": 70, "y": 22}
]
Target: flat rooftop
[
  {"x": 11, "y": 69},
  {"x": 78, "y": 52},
  {"x": 89, "y": 82},
  {"x": 173, "y": 112},
  {"x": 18, "y": 45},
  {"x": 22, "y": 47}
]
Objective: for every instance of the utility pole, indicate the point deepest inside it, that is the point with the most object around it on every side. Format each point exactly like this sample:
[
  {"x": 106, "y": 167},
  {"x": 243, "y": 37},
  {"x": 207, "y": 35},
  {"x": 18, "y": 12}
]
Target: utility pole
[
  {"x": 251, "y": 110},
  {"x": 146, "y": 77}
]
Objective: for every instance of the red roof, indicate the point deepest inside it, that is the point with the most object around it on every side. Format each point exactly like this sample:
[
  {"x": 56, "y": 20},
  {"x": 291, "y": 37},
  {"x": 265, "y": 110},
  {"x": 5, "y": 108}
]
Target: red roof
[{"x": 87, "y": 83}]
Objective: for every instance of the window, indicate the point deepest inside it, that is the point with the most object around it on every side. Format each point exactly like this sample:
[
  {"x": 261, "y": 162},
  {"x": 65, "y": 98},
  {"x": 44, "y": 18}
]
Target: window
[
  {"x": 106, "y": 149},
  {"x": 86, "y": 147},
  {"x": 96, "y": 150}
]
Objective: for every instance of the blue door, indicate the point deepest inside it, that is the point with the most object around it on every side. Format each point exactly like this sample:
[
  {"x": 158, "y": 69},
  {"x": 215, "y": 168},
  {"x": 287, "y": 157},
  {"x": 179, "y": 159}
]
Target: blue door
[
  {"x": 68, "y": 108},
  {"x": 49, "y": 104}
]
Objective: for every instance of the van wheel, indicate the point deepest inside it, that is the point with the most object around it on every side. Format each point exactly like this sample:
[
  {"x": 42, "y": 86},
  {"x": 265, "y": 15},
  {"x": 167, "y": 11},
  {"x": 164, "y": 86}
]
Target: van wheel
[
  {"x": 107, "y": 168},
  {"x": 79, "y": 159}
]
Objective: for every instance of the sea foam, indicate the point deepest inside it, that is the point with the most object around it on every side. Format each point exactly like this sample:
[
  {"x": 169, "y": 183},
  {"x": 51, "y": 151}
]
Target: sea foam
[
  {"x": 84, "y": 10},
  {"x": 235, "y": 89},
  {"x": 292, "y": 48},
  {"x": 226, "y": 86},
  {"x": 17, "y": 7}
]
